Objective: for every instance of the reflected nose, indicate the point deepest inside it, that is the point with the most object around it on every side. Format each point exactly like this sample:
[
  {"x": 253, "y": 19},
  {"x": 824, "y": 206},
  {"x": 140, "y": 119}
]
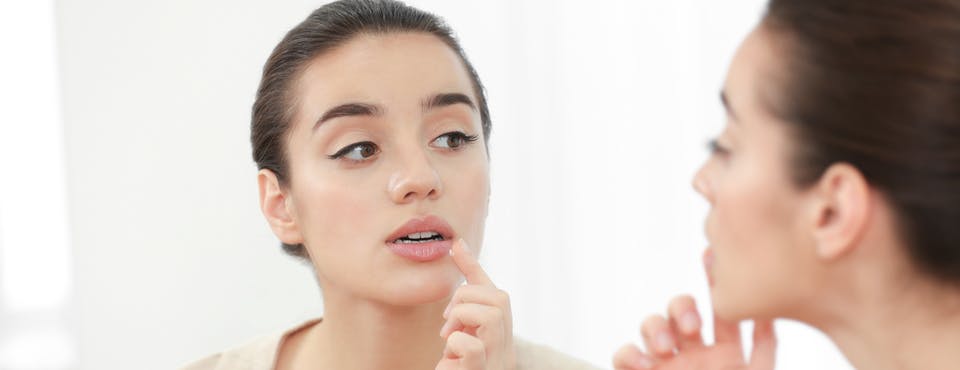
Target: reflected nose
[
  {"x": 701, "y": 182},
  {"x": 416, "y": 179}
]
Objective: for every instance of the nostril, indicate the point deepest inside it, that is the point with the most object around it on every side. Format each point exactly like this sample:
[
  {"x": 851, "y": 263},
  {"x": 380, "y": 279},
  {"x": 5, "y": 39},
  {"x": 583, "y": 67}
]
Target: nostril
[{"x": 408, "y": 186}]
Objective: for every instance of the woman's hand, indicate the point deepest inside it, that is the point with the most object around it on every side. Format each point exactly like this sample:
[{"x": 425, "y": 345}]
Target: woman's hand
[
  {"x": 479, "y": 327},
  {"x": 676, "y": 343}
]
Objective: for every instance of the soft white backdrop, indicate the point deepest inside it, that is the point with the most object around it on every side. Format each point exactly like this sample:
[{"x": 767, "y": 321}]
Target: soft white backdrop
[{"x": 601, "y": 110}]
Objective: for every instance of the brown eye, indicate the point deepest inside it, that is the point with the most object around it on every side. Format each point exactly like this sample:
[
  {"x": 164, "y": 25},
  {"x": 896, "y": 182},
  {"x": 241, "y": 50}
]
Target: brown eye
[
  {"x": 367, "y": 151},
  {"x": 357, "y": 152},
  {"x": 453, "y": 140}
]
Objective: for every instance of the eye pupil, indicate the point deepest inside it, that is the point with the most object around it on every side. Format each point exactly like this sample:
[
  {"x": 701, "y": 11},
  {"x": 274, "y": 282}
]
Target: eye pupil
[
  {"x": 367, "y": 151},
  {"x": 455, "y": 141}
]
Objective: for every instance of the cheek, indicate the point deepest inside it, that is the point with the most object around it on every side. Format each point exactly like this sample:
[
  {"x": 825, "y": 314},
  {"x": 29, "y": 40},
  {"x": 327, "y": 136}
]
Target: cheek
[
  {"x": 468, "y": 189},
  {"x": 752, "y": 236},
  {"x": 332, "y": 209}
]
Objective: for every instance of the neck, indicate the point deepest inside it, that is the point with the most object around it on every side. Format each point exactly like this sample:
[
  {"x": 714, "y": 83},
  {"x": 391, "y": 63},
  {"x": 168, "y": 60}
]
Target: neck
[
  {"x": 881, "y": 310},
  {"x": 360, "y": 334},
  {"x": 910, "y": 328}
]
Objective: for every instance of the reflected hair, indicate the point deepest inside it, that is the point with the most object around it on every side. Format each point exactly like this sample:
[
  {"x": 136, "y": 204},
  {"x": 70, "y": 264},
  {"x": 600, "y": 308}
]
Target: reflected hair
[{"x": 876, "y": 84}]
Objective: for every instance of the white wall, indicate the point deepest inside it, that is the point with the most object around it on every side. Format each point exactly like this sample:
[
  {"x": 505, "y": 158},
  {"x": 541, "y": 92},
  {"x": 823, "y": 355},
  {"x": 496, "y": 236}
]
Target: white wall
[
  {"x": 600, "y": 108},
  {"x": 36, "y": 330}
]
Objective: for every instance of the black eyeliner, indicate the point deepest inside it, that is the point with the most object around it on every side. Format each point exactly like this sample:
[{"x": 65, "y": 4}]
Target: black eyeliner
[
  {"x": 715, "y": 147},
  {"x": 348, "y": 148}
]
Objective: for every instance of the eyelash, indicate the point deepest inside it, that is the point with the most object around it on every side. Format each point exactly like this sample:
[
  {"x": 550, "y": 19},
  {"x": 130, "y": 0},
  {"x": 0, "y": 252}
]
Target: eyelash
[
  {"x": 464, "y": 138},
  {"x": 716, "y": 148}
]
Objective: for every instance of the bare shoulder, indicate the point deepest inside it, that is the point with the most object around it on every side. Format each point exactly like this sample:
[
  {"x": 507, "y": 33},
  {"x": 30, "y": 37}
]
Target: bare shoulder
[{"x": 532, "y": 356}]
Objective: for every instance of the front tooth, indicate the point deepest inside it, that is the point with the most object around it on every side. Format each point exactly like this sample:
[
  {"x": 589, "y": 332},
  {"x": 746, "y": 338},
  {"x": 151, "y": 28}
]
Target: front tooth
[{"x": 415, "y": 236}]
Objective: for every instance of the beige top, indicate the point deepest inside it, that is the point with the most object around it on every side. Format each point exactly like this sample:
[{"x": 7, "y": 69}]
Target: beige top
[{"x": 261, "y": 354}]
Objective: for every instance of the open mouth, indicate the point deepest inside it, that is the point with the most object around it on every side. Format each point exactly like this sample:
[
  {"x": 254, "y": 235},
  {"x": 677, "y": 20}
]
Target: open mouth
[
  {"x": 422, "y": 230},
  {"x": 420, "y": 237}
]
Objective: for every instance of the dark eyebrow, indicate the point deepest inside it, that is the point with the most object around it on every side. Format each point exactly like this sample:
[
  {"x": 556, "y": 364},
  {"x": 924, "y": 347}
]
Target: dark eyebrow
[
  {"x": 347, "y": 110},
  {"x": 447, "y": 99},
  {"x": 726, "y": 104}
]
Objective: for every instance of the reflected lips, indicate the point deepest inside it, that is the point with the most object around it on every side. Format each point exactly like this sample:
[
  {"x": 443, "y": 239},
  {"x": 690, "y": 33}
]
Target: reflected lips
[
  {"x": 708, "y": 259},
  {"x": 422, "y": 239}
]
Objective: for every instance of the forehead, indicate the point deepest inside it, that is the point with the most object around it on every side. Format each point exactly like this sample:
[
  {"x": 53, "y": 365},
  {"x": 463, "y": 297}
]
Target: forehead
[
  {"x": 384, "y": 67},
  {"x": 755, "y": 77}
]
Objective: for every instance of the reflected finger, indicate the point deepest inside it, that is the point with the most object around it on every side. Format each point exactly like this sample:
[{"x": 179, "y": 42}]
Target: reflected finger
[
  {"x": 685, "y": 322},
  {"x": 658, "y": 337}
]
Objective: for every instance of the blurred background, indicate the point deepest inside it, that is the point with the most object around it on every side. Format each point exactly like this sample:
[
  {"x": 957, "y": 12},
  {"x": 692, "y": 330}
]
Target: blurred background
[{"x": 129, "y": 230}]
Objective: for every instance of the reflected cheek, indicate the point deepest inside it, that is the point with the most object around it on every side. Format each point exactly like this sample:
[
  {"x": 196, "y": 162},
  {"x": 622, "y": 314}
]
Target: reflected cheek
[{"x": 728, "y": 229}]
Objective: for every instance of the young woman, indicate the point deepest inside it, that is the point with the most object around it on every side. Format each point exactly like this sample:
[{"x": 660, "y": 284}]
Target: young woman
[
  {"x": 835, "y": 191},
  {"x": 370, "y": 131}
]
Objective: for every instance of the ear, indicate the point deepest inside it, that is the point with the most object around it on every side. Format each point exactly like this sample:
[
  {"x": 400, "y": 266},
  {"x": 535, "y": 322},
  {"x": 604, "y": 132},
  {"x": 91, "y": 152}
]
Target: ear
[
  {"x": 842, "y": 205},
  {"x": 276, "y": 208}
]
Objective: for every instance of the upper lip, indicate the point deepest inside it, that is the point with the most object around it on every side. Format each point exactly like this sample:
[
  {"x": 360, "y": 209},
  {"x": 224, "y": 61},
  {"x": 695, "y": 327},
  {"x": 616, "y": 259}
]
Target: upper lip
[{"x": 418, "y": 225}]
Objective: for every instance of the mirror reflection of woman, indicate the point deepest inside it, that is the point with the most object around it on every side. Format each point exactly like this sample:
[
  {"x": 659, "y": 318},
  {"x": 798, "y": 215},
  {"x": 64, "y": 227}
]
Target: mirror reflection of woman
[
  {"x": 370, "y": 131},
  {"x": 834, "y": 191}
]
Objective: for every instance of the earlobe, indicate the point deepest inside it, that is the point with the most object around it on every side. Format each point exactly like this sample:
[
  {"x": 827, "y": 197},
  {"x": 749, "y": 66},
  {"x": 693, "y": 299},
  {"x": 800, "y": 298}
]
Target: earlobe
[
  {"x": 842, "y": 210},
  {"x": 274, "y": 204}
]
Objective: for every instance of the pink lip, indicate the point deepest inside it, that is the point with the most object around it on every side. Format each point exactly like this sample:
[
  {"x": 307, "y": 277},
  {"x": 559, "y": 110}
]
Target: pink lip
[
  {"x": 422, "y": 252},
  {"x": 708, "y": 259}
]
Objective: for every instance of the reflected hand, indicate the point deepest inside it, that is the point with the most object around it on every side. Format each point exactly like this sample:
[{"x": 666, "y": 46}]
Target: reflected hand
[
  {"x": 676, "y": 343},
  {"x": 479, "y": 327}
]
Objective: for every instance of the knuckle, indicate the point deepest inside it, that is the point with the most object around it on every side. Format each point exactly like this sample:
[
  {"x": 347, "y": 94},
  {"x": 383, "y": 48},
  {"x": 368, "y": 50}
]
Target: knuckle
[
  {"x": 683, "y": 302},
  {"x": 476, "y": 348},
  {"x": 653, "y": 322},
  {"x": 496, "y": 314}
]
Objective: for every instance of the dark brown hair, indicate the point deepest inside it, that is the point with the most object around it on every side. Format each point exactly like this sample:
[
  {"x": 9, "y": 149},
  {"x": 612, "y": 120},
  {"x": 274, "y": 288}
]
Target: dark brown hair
[
  {"x": 876, "y": 83},
  {"x": 328, "y": 27}
]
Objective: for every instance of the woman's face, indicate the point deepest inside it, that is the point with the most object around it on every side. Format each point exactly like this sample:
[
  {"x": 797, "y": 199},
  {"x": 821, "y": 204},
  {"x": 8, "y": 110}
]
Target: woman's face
[
  {"x": 388, "y": 167},
  {"x": 755, "y": 225}
]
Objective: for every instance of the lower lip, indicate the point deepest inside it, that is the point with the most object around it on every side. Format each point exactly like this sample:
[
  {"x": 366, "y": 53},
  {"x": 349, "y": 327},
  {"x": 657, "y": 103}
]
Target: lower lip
[
  {"x": 422, "y": 252},
  {"x": 708, "y": 261}
]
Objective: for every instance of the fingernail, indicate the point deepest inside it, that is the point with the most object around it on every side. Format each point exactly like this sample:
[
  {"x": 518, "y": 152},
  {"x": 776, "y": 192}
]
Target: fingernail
[
  {"x": 464, "y": 245},
  {"x": 443, "y": 328},
  {"x": 690, "y": 322},
  {"x": 664, "y": 342},
  {"x": 454, "y": 246}
]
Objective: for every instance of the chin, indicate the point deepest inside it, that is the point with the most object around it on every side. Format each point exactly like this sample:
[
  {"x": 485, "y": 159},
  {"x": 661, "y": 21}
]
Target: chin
[
  {"x": 729, "y": 306},
  {"x": 734, "y": 302},
  {"x": 422, "y": 285}
]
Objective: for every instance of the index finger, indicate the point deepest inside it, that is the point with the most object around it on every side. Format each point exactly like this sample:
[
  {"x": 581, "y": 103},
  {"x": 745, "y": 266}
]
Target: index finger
[
  {"x": 468, "y": 264},
  {"x": 726, "y": 331}
]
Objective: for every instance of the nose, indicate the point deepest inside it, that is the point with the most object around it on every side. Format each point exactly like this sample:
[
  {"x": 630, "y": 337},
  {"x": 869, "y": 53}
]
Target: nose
[
  {"x": 701, "y": 182},
  {"x": 415, "y": 179}
]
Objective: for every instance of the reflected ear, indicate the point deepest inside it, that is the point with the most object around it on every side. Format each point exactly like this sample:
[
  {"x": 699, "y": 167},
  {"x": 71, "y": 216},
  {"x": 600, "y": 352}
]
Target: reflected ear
[
  {"x": 276, "y": 208},
  {"x": 842, "y": 207}
]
